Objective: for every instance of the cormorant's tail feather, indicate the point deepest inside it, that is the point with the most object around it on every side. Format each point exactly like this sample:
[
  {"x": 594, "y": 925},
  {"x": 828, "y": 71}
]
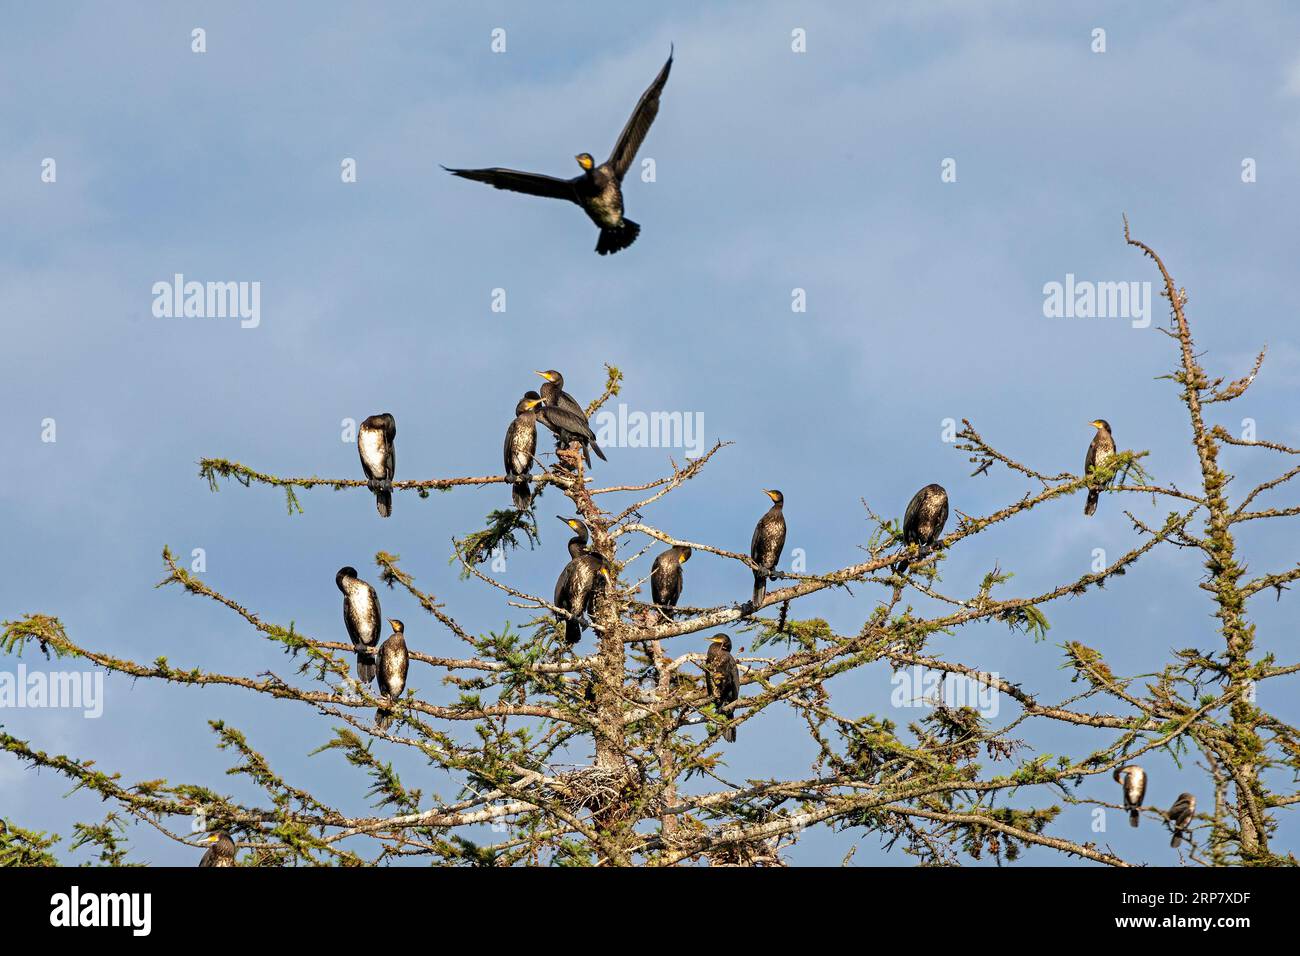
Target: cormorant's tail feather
[
  {"x": 900, "y": 567},
  {"x": 617, "y": 237},
  {"x": 384, "y": 502},
  {"x": 522, "y": 495},
  {"x": 572, "y": 631},
  {"x": 1091, "y": 506},
  {"x": 383, "y": 718},
  {"x": 729, "y": 735},
  {"x": 365, "y": 668},
  {"x": 760, "y": 588},
  {"x": 1178, "y": 838},
  {"x": 599, "y": 454},
  {"x": 1133, "y": 817},
  {"x": 586, "y": 454}
]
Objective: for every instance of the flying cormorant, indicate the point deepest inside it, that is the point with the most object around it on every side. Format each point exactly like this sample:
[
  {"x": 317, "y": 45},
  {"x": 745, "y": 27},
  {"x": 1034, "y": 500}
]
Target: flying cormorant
[
  {"x": 520, "y": 447},
  {"x": 923, "y": 521},
  {"x": 598, "y": 190},
  {"x": 722, "y": 677},
  {"x": 1102, "y": 447},
  {"x": 393, "y": 662},
  {"x": 362, "y": 618},
  {"x": 555, "y": 396},
  {"x": 1180, "y": 814},
  {"x": 221, "y": 852},
  {"x": 666, "y": 576},
  {"x": 375, "y": 441},
  {"x": 765, "y": 547},
  {"x": 578, "y": 582},
  {"x": 1133, "y": 780}
]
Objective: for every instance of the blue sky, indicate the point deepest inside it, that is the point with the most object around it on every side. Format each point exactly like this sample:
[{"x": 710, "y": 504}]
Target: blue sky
[{"x": 775, "y": 171}]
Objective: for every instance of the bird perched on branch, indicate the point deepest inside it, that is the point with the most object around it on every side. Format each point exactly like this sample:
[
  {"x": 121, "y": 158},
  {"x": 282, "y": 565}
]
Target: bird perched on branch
[
  {"x": 375, "y": 443},
  {"x": 520, "y": 447},
  {"x": 598, "y": 189},
  {"x": 923, "y": 521},
  {"x": 1133, "y": 781},
  {"x": 578, "y": 583},
  {"x": 765, "y": 547},
  {"x": 566, "y": 426},
  {"x": 1101, "y": 448},
  {"x": 362, "y": 618},
  {"x": 722, "y": 678},
  {"x": 393, "y": 662},
  {"x": 555, "y": 396},
  {"x": 666, "y": 576},
  {"x": 221, "y": 852},
  {"x": 1180, "y": 814}
]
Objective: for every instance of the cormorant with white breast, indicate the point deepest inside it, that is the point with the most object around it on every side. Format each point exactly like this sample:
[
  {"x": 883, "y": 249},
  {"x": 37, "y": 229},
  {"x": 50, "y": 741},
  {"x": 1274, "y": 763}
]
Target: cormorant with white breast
[
  {"x": 1133, "y": 780},
  {"x": 765, "y": 547},
  {"x": 375, "y": 443},
  {"x": 923, "y": 521},
  {"x": 598, "y": 190},
  {"x": 578, "y": 582},
  {"x": 393, "y": 663},
  {"x": 221, "y": 852},
  {"x": 362, "y": 618},
  {"x": 1101, "y": 448},
  {"x": 722, "y": 677},
  {"x": 520, "y": 447}
]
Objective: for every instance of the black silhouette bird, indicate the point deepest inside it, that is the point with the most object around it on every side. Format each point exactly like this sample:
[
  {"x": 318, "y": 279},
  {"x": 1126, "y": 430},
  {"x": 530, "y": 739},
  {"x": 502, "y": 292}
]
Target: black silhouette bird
[
  {"x": 362, "y": 618},
  {"x": 722, "y": 678},
  {"x": 1133, "y": 780},
  {"x": 598, "y": 189},
  {"x": 221, "y": 852},
  {"x": 578, "y": 583},
  {"x": 375, "y": 440},
  {"x": 556, "y": 397},
  {"x": 520, "y": 447},
  {"x": 765, "y": 547},
  {"x": 923, "y": 521},
  {"x": 666, "y": 576},
  {"x": 1180, "y": 814},
  {"x": 1101, "y": 448},
  {"x": 392, "y": 665}
]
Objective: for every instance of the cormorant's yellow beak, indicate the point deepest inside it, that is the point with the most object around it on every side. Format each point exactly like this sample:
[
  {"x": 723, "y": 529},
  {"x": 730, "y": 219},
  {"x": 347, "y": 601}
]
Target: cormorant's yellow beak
[
  {"x": 584, "y": 160},
  {"x": 604, "y": 573},
  {"x": 533, "y": 403},
  {"x": 716, "y": 640},
  {"x": 683, "y": 557},
  {"x": 1096, "y": 424},
  {"x": 770, "y": 494},
  {"x": 211, "y": 838},
  {"x": 542, "y": 374}
]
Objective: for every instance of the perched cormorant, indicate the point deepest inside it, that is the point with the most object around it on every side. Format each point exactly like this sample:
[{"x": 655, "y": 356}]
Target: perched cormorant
[
  {"x": 1133, "y": 780},
  {"x": 520, "y": 447},
  {"x": 375, "y": 440},
  {"x": 923, "y": 521},
  {"x": 722, "y": 677},
  {"x": 577, "y": 584},
  {"x": 566, "y": 426},
  {"x": 1102, "y": 447},
  {"x": 555, "y": 396},
  {"x": 1180, "y": 814},
  {"x": 598, "y": 190},
  {"x": 362, "y": 618},
  {"x": 666, "y": 576},
  {"x": 221, "y": 852},
  {"x": 765, "y": 547},
  {"x": 393, "y": 662}
]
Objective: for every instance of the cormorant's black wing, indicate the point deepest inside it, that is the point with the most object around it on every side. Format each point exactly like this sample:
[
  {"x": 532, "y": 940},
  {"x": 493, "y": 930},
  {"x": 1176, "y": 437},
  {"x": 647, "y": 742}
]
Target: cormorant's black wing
[
  {"x": 534, "y": 184},
  {"x": 638, "y": 124},
  {"x": 912, "y": 517}
]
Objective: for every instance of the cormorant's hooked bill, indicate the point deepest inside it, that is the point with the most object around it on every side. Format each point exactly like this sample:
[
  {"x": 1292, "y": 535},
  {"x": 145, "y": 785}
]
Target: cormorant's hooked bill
[
  {"x": 923, "y": 521},
  {"x": 1101, "y": 448},
  {"x": 722, "y": 678},
  {"x": 375, "y": 443},
  {"x": 766, "y": 545},
  {"x": 598, "y": 189}
]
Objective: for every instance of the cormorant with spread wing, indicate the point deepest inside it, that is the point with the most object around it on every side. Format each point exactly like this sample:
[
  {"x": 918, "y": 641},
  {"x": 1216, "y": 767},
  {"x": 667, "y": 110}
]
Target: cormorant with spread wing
[
  {"x": 923, "y": 521},
  {"x": 1101, "y": 448},
  {"x": 666, "y": 576},
  {"x": 375, "y": 444},
  {"x": 598, "y": 190},
  {"x": 722, "y": 677},
  {"x": 579, "y": 581},
  {"x": 765, "y": 547},
  {"x": 555, "y": 396},
  {"x": 520, "y": 447}
]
